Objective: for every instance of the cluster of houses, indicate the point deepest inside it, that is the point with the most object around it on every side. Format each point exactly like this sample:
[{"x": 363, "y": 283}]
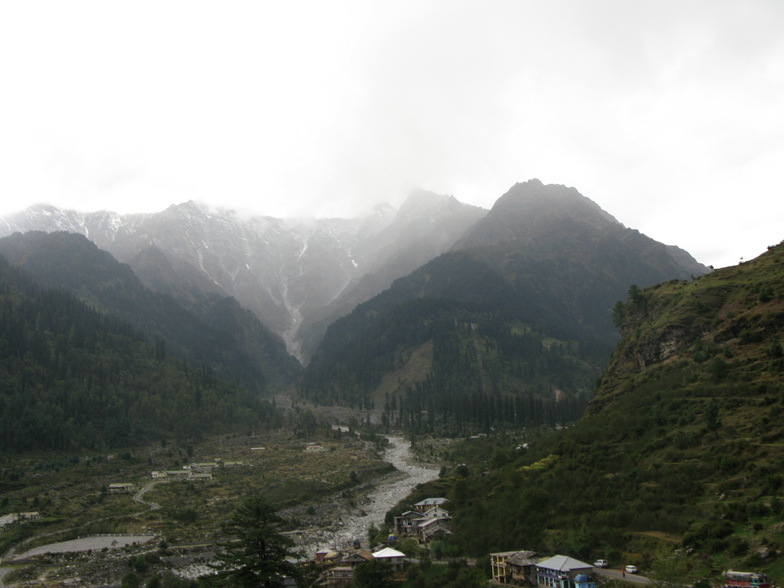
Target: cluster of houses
[
  {"x": 517, "y": 568},
  {"x": 340, "y": 569},
  {"x": 528, "y": 568},
  {"x": 193, "y": 471},
  {"x": 196, "y": 471},
  {"x": 426, "y": 522},
  {"x": 429, "y": 519}
]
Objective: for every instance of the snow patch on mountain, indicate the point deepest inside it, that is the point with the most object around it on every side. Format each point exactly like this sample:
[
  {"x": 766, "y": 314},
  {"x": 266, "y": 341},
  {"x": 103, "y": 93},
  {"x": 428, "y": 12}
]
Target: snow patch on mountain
[{"x": 284, "y": 270}]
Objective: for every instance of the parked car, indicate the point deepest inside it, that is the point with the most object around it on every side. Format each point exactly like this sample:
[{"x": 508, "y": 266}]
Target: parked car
[
  {"x": 601, "y": 563},
  {"x": 631, "y": 569}
]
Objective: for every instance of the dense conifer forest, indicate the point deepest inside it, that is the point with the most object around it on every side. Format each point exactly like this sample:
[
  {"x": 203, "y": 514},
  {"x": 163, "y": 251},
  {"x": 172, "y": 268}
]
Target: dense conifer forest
[
  {"x": 72, "y": 378},
  {"x": 202, "y": 329},
  {"x": 455, "y": 367}
]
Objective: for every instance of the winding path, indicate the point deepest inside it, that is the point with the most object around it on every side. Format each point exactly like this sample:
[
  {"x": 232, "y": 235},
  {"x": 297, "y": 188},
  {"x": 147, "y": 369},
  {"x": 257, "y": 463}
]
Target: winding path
[{"x": 139, "y": 497}]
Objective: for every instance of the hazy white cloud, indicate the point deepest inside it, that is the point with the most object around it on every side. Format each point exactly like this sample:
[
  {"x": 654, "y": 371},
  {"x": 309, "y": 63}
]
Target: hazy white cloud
[{"x": 667, "y": 114}]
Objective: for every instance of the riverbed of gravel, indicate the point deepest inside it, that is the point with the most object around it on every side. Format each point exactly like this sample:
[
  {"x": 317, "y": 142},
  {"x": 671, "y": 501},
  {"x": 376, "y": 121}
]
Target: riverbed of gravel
[
  {"x": 351, "y": 521},
  {"x": 373, "y": 508}
]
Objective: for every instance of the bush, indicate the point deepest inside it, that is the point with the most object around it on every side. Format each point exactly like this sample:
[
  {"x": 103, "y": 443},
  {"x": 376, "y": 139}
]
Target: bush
[{"x": 131, "y": 580}]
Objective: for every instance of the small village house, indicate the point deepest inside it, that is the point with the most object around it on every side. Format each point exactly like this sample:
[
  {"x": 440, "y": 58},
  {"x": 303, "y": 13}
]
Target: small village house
[
  {"x": 561, "y": 571},
  {"x": 434, "y": 528},
  {"x": 121, "y": 488},
  {"x": 405, "y": 524},
  {"x": 178, "y": 473},
  {"x": 498, "y": 567},
  {"x": 428, "y": 503},
  {"x": 522, "y": 567},
  {"x": 390, "y": 556},
  {"x": 333, "y": 558},
  {"x": 435, "y": 513},
  {"x": 358, "y": 557}
]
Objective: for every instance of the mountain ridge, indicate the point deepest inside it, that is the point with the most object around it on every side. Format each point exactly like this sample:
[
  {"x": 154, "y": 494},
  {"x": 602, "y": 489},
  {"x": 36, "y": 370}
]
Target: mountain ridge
[
  {"x": 299, "y": 276},
  {"x": 284, "y": 270},
  {"x": 71, "y": 262},
  {"x": 541, "y": 265},
  {"x": 676, "y": 466}
]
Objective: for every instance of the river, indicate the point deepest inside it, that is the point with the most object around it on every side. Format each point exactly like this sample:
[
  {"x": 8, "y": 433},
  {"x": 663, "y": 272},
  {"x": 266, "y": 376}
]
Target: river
[{"x": 388, "y": 491}]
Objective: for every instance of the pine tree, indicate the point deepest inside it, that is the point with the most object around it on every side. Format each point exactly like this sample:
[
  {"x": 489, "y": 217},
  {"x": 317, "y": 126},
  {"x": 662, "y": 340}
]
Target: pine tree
[{"x": 259, "y": 555}]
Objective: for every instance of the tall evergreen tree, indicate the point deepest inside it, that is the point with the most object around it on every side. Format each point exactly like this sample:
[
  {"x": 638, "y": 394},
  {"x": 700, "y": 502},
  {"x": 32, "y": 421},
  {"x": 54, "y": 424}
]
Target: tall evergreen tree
[{"x": 259, "y": 555}]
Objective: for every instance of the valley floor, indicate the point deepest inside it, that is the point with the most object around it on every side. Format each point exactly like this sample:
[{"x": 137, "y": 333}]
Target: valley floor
[{"x": 334, "y": 493}]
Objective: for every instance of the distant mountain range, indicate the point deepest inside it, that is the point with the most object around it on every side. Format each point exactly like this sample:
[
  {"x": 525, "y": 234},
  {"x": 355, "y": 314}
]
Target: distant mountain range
[
  {"x": 295, "y": 275},
  {"x": 467, "y": 316},
  {"x": 298, "y": 276}
]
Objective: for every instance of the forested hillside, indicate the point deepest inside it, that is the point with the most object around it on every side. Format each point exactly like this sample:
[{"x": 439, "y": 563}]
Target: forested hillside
[
  {"x": 678, "y": 464},
  {"x": 73, "y": 378},
  {"x": 511, "y": 328},
  {"x": 199, "y": 328},
  {"x": 437, "y": 364}
]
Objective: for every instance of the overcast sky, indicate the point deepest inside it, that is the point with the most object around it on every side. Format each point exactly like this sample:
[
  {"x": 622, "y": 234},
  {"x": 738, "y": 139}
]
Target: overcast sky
[{"x": 669, "y": 115}]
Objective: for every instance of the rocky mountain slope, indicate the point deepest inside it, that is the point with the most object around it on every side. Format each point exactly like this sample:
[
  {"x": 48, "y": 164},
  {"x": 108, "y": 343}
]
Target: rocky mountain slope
[
  {"x": 286, "y": 271},
  {"x": 425, "y": 226}
]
